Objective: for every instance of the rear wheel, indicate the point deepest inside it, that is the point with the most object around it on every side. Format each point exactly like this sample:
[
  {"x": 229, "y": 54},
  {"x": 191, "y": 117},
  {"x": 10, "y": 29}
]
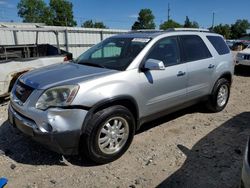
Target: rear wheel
[
  {"x": 220, "y": 95},
  {"x": 108, "y": 135}
]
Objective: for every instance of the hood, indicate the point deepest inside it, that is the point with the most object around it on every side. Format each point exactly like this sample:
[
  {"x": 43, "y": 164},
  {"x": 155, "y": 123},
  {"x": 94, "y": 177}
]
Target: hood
[
  {"x": 246, "y": 50},
  {"x": 62, "y": 74}
]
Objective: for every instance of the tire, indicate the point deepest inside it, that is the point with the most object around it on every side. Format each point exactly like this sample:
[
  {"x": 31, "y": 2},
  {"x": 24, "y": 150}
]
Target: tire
[
  {"x": 108, "y": 134},
  {"x": 217, "y": 101}
]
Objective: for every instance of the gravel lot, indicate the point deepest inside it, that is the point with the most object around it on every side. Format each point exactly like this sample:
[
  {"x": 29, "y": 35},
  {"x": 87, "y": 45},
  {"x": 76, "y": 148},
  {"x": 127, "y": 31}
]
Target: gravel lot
[{"x": 190, "y": 148}]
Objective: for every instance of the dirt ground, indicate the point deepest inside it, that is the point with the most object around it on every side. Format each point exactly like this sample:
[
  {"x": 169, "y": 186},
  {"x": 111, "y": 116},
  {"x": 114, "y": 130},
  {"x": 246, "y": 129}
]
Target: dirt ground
[{"x": 190, "y": 148}]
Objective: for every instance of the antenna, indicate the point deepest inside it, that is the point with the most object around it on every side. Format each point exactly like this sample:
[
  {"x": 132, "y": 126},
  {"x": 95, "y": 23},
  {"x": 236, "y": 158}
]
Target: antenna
[{"x": 169, "y": 11}]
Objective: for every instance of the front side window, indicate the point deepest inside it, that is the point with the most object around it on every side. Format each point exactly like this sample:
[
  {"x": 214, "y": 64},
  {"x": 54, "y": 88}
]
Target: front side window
[
  {"x": 167, "y": 51},
  {"x": 113, "y": 53},
  {"x": 194, "y": 48}
]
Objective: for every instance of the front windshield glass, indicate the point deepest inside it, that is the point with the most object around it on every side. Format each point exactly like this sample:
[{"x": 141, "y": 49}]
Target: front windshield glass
[{"x": 113, "y": 53}]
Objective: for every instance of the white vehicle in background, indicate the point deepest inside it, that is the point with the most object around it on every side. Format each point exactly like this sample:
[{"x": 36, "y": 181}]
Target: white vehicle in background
[
  {"x": 243, "y": 57},
  {"x": 18, "y": 59}
]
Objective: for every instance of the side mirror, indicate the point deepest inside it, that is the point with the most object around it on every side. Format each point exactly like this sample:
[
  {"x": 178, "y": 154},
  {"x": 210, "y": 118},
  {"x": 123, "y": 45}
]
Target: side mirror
[{"x": 154, "y": 64}]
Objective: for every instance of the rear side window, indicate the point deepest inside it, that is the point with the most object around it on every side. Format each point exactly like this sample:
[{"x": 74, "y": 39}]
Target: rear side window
[
  {"x": 194, "y": 48},
  {"x": 219, "y": 44}
]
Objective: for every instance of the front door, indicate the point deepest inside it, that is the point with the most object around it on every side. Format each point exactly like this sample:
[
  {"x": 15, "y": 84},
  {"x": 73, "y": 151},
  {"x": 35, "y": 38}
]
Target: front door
[{"x": 164, "y": 89}]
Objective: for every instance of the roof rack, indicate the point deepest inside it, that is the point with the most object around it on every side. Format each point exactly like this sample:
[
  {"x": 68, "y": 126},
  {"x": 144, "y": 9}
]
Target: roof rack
[
  {"x": 188, "y": 29},
  {"x": 145, "y": 30}
]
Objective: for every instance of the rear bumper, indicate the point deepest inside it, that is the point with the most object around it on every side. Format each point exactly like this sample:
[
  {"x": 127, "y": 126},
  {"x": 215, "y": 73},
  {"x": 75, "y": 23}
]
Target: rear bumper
[
  {"x": 64, "y": 142},
  {"x": 245, "y": 180}
]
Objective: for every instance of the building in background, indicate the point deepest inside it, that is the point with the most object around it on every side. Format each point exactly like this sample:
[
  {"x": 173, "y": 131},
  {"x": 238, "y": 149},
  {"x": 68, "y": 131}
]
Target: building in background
[{"x": 72, "y": 39}]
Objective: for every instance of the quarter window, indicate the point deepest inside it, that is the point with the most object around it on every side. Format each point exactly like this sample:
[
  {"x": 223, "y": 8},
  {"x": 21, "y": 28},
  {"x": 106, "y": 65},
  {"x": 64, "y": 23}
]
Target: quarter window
[
  {"x": 219, "y": 44},
  {"x": 167, "y": 51},
  {"x": 194, "y": 48}
]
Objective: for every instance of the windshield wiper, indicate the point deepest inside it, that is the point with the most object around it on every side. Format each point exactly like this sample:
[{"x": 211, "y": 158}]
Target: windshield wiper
[{"x": 91, "y": 64}]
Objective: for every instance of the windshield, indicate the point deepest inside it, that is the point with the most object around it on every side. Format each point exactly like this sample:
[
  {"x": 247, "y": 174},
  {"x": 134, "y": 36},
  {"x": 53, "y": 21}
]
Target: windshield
[{"x": 113, "y": 53}]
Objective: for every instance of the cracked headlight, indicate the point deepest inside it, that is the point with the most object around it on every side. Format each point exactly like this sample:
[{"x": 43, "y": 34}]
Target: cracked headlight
[{"x": 57, "y": 96}]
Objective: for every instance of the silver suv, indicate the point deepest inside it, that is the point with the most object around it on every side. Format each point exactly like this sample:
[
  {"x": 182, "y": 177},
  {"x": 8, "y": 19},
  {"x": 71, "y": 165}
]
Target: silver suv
[{"x": 94, "y": 104}]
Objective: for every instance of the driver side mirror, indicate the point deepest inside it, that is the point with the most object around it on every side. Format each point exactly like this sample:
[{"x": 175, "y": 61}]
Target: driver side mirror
[{"x": 154, "y": 64}]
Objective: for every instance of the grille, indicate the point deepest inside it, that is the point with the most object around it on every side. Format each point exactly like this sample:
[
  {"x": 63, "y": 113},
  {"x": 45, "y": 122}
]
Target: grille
[
  {"x": 247, "y": 57},
  {"x": 23, "y": 91}
]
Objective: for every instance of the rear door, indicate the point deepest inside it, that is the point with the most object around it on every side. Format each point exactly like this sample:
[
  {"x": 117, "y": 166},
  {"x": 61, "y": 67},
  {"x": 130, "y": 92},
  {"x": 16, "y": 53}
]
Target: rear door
[{"x": 200, "y": 65}]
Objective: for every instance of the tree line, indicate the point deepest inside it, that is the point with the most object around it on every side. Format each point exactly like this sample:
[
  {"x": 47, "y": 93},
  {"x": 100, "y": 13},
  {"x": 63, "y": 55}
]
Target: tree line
[
  {"x": 233, "y": 31},
  {"x": 60, "y": 13},
  {"x": 146, "y": 18},
  {"x": 56, "y": 12}
]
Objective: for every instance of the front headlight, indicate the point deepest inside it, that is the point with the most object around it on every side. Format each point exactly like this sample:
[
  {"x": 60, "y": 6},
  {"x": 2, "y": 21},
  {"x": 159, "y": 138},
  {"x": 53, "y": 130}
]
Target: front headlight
[
  {"x": 240, "y": 56},
  {"x": 57, "y": 96}
]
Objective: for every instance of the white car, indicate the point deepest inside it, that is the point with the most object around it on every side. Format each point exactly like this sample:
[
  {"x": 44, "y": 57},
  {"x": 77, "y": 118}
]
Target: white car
[{"x": 243, "y": 57}]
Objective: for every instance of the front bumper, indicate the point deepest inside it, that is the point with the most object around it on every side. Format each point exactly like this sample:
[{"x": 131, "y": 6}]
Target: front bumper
[
  {"x": 54, "y": 130},
  {"x": 245, "y": 180},
  {"x": 242, "y": 62}
]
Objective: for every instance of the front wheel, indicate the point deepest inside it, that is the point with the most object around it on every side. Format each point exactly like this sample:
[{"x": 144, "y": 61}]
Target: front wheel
[
  {"x": 108, "y": 134},
  {"x": 220, "y": 95}
]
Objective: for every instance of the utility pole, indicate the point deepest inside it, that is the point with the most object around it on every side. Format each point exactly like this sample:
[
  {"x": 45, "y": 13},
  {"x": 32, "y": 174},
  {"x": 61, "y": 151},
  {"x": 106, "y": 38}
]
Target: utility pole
[
  {"x": 213, "y": 20},
  {"x": 169, "y": 11},
  {"x": 66, "y": 21}
]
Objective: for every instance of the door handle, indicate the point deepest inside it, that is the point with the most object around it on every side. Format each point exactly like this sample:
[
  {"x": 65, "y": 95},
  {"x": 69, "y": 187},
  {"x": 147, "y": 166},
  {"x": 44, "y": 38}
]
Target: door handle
[
  {"x": 181, "y": 73},
  {"x": 211, "y": 66}
]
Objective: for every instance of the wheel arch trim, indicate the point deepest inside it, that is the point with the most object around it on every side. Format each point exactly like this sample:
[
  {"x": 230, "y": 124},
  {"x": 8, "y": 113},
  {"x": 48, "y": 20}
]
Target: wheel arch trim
[{"x": 118, "y": 100}]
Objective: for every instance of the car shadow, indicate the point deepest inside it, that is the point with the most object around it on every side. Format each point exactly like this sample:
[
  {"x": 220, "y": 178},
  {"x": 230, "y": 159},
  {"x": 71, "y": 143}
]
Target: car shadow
[
  {"x": 22, "y": 149},
  {"x": 216, "y": 159},
  {"x": 190, "y": 110},
  {"x": 242, "y": 71}
]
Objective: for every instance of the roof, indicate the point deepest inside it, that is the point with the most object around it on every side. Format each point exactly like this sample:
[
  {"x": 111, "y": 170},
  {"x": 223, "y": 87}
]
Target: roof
[{"x": 155, "y": 33}]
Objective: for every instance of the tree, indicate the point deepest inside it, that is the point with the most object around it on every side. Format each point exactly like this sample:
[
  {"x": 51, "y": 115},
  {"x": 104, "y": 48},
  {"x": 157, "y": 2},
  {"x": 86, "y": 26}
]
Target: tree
[
  {"x": 35, "y": 11},
  {"x": 145, "y": 20},
  {"x": 91, "y": 24},
  {"x": 62, "y": 13},
  {"x": 224, "y": 30},
  {"x": 170, "y": 24},
  {"x": 189, "y": 24},
  {"x": 239, "y": 28},
  {"x": 88, "y": 24},
  {"x": 195, "y": 24},
  {"x": 100, "y": 25}
]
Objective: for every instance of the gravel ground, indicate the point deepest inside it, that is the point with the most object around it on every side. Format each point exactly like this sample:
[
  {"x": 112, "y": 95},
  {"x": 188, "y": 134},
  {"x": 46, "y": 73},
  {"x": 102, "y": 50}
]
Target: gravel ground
[{"x": 190, "y": 148}]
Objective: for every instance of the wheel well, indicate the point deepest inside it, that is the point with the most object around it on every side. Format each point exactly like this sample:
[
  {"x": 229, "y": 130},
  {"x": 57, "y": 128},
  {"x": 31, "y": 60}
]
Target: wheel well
[
  {"x": 227, "y": 76},
  {"x": 128, "y": 103},
  {"x": 14, "y": 78}
]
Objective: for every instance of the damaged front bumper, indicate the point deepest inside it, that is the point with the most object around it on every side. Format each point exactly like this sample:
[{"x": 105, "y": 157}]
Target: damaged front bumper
[{"x": 58, "y": 129}]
